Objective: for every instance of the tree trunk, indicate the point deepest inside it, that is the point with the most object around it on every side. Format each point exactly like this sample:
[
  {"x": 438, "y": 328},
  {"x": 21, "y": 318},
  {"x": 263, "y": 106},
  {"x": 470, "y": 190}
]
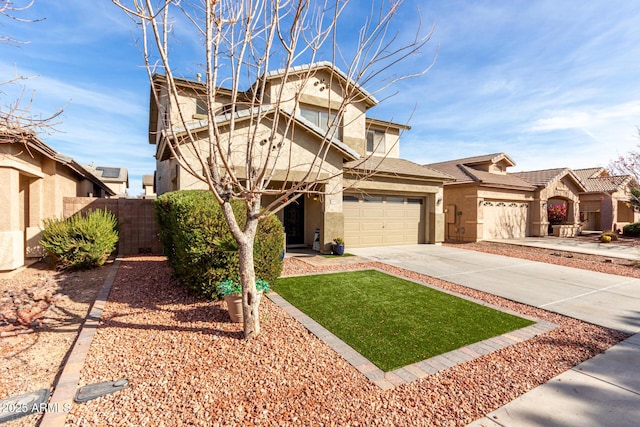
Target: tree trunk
[{"x": 250, "y": 296}]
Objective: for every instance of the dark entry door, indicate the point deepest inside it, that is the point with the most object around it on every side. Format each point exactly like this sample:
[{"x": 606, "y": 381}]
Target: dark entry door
[{"x": 294, "y": 222}]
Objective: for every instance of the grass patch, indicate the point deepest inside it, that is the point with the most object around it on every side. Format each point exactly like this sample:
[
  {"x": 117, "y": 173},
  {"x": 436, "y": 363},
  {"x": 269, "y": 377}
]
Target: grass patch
[
  {"x": 336, "y": 256},
  {"x": 391, "y": 321}
]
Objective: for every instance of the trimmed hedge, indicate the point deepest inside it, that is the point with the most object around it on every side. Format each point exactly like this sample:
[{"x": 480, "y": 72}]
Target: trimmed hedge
[
  {"x": 198, "y": 243},
  {"x": 632, "y": 230},
  {"x": 80, "y": 241}
]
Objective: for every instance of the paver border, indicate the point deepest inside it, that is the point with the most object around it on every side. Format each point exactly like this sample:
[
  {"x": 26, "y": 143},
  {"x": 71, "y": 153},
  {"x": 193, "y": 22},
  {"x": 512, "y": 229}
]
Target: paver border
[
  {"x": 65, "y": 388},
  {"x": 415, "y": 371}
]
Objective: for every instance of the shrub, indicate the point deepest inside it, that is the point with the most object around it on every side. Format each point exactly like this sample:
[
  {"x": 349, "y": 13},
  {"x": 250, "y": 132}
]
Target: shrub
[
  {"x": 81, "y": 241},
  {"x": 611, "y": 235},
  {"x": 557, "y": 214},
  {"x": 632, "y": 230},
  {"x": 605, "y": 238},
  {"x": 199, "y": 245}
]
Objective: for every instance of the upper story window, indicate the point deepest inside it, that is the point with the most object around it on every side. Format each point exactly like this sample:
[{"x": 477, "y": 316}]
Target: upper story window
[
  {"x": 323, "y": 120},
  {"x": 375, "y": 141},
  {"x": 201, "y": 107}
]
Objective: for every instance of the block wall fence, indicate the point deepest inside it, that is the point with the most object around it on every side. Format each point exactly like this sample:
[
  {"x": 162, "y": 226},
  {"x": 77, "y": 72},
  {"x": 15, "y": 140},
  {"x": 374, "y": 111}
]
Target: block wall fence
[{"x": 138, "y": 227}]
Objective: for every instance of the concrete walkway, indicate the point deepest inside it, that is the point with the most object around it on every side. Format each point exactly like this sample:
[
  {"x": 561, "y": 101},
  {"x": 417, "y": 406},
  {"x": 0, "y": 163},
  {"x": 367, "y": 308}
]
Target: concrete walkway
[{"x": 602, "y": 391}]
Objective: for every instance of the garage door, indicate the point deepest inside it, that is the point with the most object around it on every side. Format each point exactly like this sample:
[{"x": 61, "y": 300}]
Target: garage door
[
  {"x": 383, "y": 220},
  {"x": 505, "y": 220}
]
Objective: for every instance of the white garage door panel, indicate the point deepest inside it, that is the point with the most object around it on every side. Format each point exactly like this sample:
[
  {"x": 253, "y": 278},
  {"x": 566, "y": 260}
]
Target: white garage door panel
[
  {"x": 380, "y": 223},
  {"x": 505, "y": 220}
]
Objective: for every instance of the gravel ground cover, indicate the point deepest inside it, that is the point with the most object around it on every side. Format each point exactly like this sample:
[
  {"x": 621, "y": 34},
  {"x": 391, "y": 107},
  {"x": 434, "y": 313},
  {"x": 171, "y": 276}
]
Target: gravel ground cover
[
  {"x": 188, "y": 365},
  {"x": 41, "y": 311},
  {"x": 603, "y": 264}
]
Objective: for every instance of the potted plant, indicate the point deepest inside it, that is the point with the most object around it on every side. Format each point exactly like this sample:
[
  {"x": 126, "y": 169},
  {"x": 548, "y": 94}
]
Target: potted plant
[
  {"x": 232, "y": 292},
  {"x": 338, "y": 246}
]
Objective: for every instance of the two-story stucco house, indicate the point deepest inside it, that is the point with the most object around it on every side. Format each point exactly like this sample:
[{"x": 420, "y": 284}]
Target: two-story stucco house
[{"x": 370, "y": 196}]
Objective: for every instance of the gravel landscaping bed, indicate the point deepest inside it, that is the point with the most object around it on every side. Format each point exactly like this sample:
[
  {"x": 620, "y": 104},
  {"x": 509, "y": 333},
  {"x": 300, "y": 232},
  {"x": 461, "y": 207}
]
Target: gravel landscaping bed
[
  {"x": 188, "y": 365},
  {"x": 41, "y": 311},
  {"x": 603, "y": 264}
]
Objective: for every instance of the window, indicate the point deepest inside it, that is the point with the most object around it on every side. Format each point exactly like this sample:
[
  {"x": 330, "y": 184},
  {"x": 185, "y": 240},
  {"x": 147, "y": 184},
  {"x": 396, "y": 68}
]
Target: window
[
  {"x": 372, "y": 199},
  {"x": 375, "y": 141},
  {"x": 201, "y": 107},
  {"x": 397, "y": 200},
  {"x": 323, "y": 120}
]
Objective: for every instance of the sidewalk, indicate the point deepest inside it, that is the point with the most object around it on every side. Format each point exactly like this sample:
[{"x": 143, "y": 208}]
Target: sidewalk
[{"x": 604, "y": 390}]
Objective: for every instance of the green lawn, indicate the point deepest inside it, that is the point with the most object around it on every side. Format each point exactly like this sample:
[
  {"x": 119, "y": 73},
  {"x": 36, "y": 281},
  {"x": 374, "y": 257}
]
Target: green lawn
[{"x": 391, "y": 321}]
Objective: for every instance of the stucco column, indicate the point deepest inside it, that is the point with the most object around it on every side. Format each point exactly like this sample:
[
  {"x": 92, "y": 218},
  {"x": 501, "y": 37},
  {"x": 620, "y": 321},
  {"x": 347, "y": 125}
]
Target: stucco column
[
  {"x": 434, "y": 206},
  {"x": 539, "y": 219},
  {"x": 11, "y": 236},
  {"x": 33, "y": 230},
  {"x": 332, "y": 215}
]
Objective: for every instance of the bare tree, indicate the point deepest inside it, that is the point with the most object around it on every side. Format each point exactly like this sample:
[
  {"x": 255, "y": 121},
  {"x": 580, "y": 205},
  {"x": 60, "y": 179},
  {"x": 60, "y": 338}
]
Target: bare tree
[
  {"x": 243, "y": 40},
  {"x": 629, "y": 164},
  {"x": 16, "y": 118}
]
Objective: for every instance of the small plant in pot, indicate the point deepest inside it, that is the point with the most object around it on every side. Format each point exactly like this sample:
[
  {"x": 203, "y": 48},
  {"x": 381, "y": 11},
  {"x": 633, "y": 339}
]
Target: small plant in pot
[
  {"x": 338, "y": 246},
  {"x": 232, "y": 292}
]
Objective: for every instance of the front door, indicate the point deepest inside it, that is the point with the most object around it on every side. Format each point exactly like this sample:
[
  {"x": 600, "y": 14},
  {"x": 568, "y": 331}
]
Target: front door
[{"x": 294, "y": 222}]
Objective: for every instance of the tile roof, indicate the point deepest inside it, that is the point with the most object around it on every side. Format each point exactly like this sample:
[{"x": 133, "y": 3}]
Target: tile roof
[
  {"x": 109, "y": 173},
  {"x": 542, "y": 178},
  {"x": 584, "y": 174},
  {"x": 460, "y": 169},
  {"x": 31, "y": 141},
  {"x": 394, "y": 166}
]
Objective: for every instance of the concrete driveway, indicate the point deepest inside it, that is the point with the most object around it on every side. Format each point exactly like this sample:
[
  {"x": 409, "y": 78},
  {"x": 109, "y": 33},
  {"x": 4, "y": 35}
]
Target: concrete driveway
[{"x": 603, "y": 299}]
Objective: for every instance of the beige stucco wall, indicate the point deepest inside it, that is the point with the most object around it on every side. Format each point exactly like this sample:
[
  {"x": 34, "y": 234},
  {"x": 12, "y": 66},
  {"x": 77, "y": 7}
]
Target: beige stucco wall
[
  {"x": 430, "y": 192},
  {"x": 33, "y": 187},
  {"x": 464, "y": 216}
]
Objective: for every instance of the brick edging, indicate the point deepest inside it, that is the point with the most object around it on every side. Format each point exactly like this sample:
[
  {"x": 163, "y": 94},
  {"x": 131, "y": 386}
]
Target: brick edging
[{"x": 67, "y": 384}]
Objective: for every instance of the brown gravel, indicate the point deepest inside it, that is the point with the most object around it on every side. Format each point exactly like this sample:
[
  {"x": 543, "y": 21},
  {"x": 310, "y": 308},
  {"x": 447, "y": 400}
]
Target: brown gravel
[
  {"x": 32, "y": 360},
  {"x": 188, "y": 365},
  {"x": 603, "y": 264}
]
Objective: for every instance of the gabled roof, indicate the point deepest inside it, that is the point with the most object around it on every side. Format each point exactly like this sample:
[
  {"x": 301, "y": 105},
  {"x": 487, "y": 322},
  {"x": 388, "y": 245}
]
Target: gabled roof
[
  {"x": 463, "y": 172},
  {"x": 109, "y": 173},
  {"x": 326, "y": 65},
  {"x": 395, "y": 167},
  {"x": 32, "y": 142},
  {"x": 585, "y": 174},
  {"x": 597, "y": 180},
  {"x": 545, "y": 177}
]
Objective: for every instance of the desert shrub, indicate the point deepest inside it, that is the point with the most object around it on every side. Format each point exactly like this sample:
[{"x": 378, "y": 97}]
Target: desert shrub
[
  {"x": 632, "y": 230},
  {"x": 199, "y": 245},
  {"x": 81, "y": 241},
  {"x": 609, "y": 236}
]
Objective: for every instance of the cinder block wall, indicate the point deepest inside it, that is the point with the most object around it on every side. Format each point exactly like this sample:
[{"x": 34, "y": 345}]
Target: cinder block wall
[{"x": 138, "y": 228}]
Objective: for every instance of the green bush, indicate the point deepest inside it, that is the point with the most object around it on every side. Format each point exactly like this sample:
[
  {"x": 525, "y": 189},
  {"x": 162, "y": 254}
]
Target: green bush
[
  {"x": 632, "y": 230},
  {"x": 199, "y": 245},
  {"x": 81, "y": 241}
]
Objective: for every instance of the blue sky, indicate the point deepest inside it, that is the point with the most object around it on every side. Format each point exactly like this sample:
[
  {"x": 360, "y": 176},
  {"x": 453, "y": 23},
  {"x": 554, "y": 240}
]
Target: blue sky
[{"x": 551, "y": 83}]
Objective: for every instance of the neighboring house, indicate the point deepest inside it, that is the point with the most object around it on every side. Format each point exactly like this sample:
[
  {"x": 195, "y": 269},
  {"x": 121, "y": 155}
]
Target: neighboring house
[
  {"x": 488, "y": 202},
  {"x": 116, "y": 178},
  {"x": 382, "y": 201},
  {"x": 605, "y": 205},
  {"x": 555, "y": 187},
  {"x": 149, "y": 186},
  {"x": 35, "y": 178}
]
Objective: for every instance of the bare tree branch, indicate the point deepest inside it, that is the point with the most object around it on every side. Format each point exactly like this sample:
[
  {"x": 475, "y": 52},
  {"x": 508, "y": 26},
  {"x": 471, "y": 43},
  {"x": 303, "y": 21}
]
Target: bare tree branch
[{"x": 244, "y": 148}]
